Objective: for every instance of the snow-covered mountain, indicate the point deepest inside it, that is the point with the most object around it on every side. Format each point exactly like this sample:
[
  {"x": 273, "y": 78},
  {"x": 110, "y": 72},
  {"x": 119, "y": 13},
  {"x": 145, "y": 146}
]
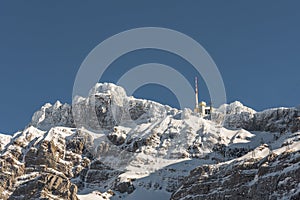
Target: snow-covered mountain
[
  {"x": 133, "y": 148},
  {"x": 4, "y": 140}
]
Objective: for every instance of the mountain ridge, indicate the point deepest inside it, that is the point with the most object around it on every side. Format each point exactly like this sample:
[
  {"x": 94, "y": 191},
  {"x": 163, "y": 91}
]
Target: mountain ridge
[{"x": 132, "y": 146}]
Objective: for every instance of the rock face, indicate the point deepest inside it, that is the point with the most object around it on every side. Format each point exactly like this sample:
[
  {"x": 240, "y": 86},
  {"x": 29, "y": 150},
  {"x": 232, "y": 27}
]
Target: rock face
[
  {"x": 276, "y": 120},
  {"x": 271, "y": 177},
  {"x": 125, "y": 187},
  {"x": 236, "y": 115},
  {"x": 46, "y": 186},
  {"x": 272, "y": 120},
  {"x": 131, "y": 145},
  {"x": 53, "y": 115},
  {"x": 31, "y": 167}
]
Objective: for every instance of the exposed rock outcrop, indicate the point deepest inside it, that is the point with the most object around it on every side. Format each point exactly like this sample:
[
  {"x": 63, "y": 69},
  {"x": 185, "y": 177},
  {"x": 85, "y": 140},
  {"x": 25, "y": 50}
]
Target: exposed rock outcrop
[
  {"x": 273, "y": 177},
  {"x": 46, "y": 186},
  {"x": 271, "y": 120}
]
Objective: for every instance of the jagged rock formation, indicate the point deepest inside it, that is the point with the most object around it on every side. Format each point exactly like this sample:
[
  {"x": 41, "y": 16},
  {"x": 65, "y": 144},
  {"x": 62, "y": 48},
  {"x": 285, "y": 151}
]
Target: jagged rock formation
[
  {"x": 276, "y": 120},
  {"x": 274, "y": 176},
  {"x": 53, "y": 115},
  {"x": 46, "y": 186},
  {"x": 272, "y": 120},
  {"x": 31, "y": 167},
  {"x": 134, "y": 145}
]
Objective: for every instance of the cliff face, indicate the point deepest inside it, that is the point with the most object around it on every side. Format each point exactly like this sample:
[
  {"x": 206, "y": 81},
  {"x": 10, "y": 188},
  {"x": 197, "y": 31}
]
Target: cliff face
[
  {"x": 133, "y": 147},
  {"x": 271, "y": 120},
  {"x": 275, "y": 120},
  {"x": 32, "y": 167},
  {"x": 275, "y": 176}
]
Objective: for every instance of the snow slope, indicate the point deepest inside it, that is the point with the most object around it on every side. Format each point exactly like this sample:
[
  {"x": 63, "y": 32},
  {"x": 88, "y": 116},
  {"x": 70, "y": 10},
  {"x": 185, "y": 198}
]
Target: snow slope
[{"x": 4, "y": 140}]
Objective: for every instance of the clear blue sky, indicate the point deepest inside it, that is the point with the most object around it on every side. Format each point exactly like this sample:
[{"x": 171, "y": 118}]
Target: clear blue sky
[{"x": 256, "y": 46}]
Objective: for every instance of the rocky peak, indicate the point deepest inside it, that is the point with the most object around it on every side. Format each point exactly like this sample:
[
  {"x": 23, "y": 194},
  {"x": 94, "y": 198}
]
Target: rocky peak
[
  {"x": 274, "y": 120},
  {"x": 52, "y": 115},
  {"x": 108, "y": 88},
  {"x": 236, "y": 107}
]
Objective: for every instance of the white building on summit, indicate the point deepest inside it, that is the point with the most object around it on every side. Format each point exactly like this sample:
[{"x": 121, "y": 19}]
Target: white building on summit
[{"x": 201, "y": 107}]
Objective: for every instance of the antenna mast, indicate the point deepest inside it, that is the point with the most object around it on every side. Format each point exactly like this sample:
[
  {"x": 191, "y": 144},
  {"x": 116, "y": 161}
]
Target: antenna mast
[{"x": 196, "y": 95}]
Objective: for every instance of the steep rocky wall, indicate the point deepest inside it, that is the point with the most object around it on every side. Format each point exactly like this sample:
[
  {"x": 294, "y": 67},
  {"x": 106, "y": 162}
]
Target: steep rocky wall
[{"x": 274, "y": 177}]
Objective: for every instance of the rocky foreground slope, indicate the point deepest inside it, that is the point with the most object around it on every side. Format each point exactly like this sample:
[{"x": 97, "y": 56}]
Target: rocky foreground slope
[
  {"x": 274, "y": 175},
  {"x": 133, "y": 149}
]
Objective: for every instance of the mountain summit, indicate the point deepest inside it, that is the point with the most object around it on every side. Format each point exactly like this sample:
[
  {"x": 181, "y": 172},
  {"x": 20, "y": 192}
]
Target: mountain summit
[{"x": 111, "y": 146}]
